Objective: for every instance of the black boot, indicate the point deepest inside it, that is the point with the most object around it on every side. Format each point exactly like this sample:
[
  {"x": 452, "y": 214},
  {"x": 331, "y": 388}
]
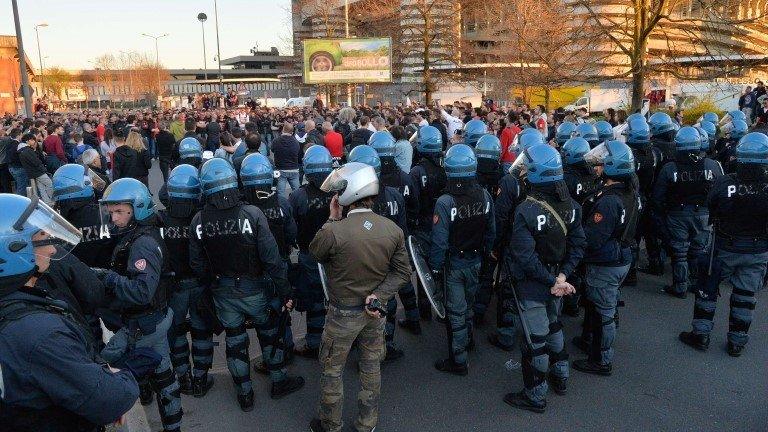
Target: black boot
[
  {"x": 201, "y": 385},
  {"x": 449, "y": 366},
  {"x": 260, "y": 367},
  {"x": 590, "y": 367},
  {"x": 307, "y": 352},
  {"x": 521, "y": 401},
  {"x": 185, "y": 383},
  {"x": 694, "y": 340},
  {"x": 392, "y": 354},
  {"x": 285, "y": 387},
  {"x": 670, "y": 290},
  {"x": 146, "y": 395},
  {"x": 559, "y": 385},
  {"x": 655, "y": 267},
  {"x": 493, "y": 338},
  {"x": 413, "y": 327},
  {"x": 246, "y": 401},
  {"x": 734, "y": 350}
]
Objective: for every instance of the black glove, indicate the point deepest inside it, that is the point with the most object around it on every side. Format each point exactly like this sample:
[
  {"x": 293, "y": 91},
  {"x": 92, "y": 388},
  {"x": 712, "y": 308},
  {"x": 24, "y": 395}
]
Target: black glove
[
  {"x": 140, "y": 362},
  {"x": 100, "y": 273}
]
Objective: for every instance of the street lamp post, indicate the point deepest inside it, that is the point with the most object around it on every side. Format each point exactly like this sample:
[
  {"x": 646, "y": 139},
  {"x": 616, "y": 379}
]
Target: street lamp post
[
  {"x": 202, "y": 17},
  {"x": 40, "y": 58},
  {"x": 25, "y": 89},
  {"x": 157, "y": 61},
  {"x": 218, "y": 48}
]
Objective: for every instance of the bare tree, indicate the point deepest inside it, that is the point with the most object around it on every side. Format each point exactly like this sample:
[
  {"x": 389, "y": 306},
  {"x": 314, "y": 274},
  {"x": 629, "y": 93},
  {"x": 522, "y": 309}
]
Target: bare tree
[{"x": 57, "y": 80}]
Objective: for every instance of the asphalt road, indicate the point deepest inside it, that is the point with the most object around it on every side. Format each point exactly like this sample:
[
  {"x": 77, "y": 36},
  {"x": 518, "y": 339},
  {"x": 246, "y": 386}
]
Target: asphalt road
[{"x": 658, "y": 384}]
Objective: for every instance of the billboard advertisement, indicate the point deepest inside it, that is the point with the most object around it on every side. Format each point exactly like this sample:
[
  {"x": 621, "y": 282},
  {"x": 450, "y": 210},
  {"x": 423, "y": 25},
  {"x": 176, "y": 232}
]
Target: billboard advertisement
[{"x": 364, "y": 60}]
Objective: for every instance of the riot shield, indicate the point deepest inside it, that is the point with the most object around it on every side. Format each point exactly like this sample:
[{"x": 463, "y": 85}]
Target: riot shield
[
  {"x": 433, "y": 292},
  {"x": 323, "y": 280}
]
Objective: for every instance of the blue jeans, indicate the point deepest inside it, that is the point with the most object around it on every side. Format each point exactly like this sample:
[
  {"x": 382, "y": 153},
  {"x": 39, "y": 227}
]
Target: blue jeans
[
  {"x": 602, "y": 293},
  {"x": 461, "y": 287},
  {"x": 184, "y": 301},
  {"x": 547, "y": 351},
  {"x": 290, "y": 177},
  {"x": 20, "y": 178},
  {"x": 746, "y": 273},
  {"x": 689, "y": 232},
  {"x": 152, "y": 146}
]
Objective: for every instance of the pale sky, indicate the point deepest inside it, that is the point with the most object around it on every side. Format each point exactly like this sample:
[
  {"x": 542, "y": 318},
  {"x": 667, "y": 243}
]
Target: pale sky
[{"x": 81, "y": 30}]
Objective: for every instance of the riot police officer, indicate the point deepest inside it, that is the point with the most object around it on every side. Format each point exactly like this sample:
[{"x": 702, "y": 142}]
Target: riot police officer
[
  {"x": 589, "y": 133},
  {"x": 462, "y": 233},
  {"x": 663, "y": 134},
  {"x": 473, "y": 131},
  {"x": 190, "y": 152},
  {"x": 545, "y": 246},
  {"x": 609, "y": 225},
  {"x": 137, "y": 280},
  {"x": 564, "y": 132},
  {"x": 681, "y": 192},
  {"x": 390, "y": 204},
  {"x": 50, "y": 379},
  {"x": 184, "y": 194},
  {"x": 391, "y": 175},
  {"x": 429, "y": 181},
  {"x": 310, "y": 207},
  {"x": 604, "y": 131},
  {"x": 738, "y": 205},
  {"x": 711, "y": 131},
  {"x": 726, "y": 146}
]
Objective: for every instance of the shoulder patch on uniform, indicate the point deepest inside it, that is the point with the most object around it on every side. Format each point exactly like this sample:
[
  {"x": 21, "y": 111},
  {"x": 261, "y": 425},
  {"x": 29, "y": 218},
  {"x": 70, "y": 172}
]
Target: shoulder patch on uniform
[
  {"x": 368, "y": 225},
  {"x": 597, "y": 217},
  {"x": 140, "y": 265},
  {"x": 435, "y": 219}
]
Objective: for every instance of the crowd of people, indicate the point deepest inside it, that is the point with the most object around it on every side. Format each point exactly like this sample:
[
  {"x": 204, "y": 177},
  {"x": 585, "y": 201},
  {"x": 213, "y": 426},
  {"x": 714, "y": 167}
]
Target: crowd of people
[{"x": 327, "y": 211}]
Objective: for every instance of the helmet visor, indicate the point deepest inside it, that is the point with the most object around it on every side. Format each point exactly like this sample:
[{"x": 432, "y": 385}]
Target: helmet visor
[
  {"x": 597, "y": 155},
  {"x": 335, "y": 181},
  {"x": 55, "y": 229},
  {"x": 518, "y": 167},
  {"x": 98, "y": 183}
]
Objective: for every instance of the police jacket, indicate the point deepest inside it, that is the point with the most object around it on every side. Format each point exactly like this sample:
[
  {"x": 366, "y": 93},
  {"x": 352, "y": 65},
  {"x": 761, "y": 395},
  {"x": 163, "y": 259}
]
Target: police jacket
[
  {"x": 95, "y": 249},
  {"x": 511, "y": 193},
  {"x": 279, "y": 216},
  {"x": 609, "y": 225},
  {"x": 363, "y": 254},
  {"x": 581, "y": 181},
  {"x": 666, "y": 145},
  {"x": 236, "y": 243},
  {"x": 684, "y": 184},
  {"x": 539, "y": 248},
  {"x": 464, "y": 227},
  {"x": 68, "y": 279},
  {"x": 390, "y": 204},
  {"x": 739, "y": 212},
  {"x": 311, "y": 208},
  {"x": 175, "y": 232},
  {"x": 50, "y": 381},
  {"x": 489, "y": 174},
  {"x": 429, "y": 181},
  {"x": 400, "y": 180},
  {"x": 647, "y": 163}
]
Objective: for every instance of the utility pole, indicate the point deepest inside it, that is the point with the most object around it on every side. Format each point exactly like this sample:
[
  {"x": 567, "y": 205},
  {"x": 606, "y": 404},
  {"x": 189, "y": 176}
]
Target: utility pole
[
  {"x": 346, "y": 34},
  {"x": 202, "y": 17},
  {"x": 218, "y": 48},
  {"x": 40, "y": 58},
  {"x": 157, "y": 62},
  {"x": 25, "y": 89}
]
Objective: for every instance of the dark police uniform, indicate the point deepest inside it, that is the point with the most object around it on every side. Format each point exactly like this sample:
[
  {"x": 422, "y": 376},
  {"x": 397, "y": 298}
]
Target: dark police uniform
[
  {"x": 488, "y": 176},
  {"x": 648, "y": 161},
  {"x": 96, "y": 248}
]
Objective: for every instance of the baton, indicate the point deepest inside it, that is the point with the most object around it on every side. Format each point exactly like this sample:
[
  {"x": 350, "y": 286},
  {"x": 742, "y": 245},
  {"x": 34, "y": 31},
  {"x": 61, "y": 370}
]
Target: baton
[
  {"x": 282, "y": 324},
  {"x": 711, "y": 253},
  {"x": 523, "y": 323}
]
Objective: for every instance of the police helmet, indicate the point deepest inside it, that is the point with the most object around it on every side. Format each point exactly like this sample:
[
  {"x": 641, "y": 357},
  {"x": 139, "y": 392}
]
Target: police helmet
[
  {"x": 217, "y": 175},
  {"x": 711, "y": 117},
  {"x": 753, "y": 149},
  {"x": 184, "y": 183},
  {"x": 564, "y": 132},
  {"x": 353, "y": 181},
  {"x": 604, "y": 130},
  {"x": 71, "y": 181},
  {"x": 317, "y": 160},
  {"x": 430, "y": 140},
  {"x": 367, "y": 155},
  {"x": 526, "y": 138},
  {"x": 460, "y": 161},
  {"x": 130, "y": 191},
  {"x": 383, "y": 142},
  {"x": 638, "y": 133},
  {"x": 660, "y": 122},
  {"x": 541, "y": 162},
  {"x": 710, "y": 128},
  {"x": 488, "y": 147},
  {"x": 190, "y": 148},
  {"x": 574, "y": 149},
  {"x": 687, "y": 139},
  {"x": 256, "y": 170},
  {"x": 737, "y": 115},
  {"x": 634, "y": 116},
  {"x": 588, "y": 132},
  {"x": 703, "y": 138},
  {"x": 615, "y": 157},
  {"x": 473, "y": 130},
  {"x": 739, "y": 129},
  {"x": 20, "y": 220}
]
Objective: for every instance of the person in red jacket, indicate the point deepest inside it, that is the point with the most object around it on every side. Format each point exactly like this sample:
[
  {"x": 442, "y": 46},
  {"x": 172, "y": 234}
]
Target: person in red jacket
[
  {"x": 334, "y": 141},
  {"x": 508, "y": 135},
  {"x": 53, "y": 144}
]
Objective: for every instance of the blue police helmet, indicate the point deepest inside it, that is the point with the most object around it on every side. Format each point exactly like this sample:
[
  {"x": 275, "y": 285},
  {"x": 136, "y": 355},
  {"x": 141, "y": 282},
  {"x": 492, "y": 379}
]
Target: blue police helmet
[
  {"x": 737, "y": 115},
  {"x": 543, "y": 164},
  {"x": 703, "y": 137},
  {"x": 190, "y": 147},
  {"x": 615, "y": 157},
  {"x": 638, "y": 133},
  {"x": 527, "y": 138},
  {"x": 383, "y": 142},
  {"x": 710, "y": 128},
  {"x": 367, "y": 155},
  {"x": 574, "y": 149},
  {"x": 216, "y": 175},
  {"x": 739, "y": 129},
  {"x": 184, "y": 183},
  {"x": 473, "y": 130},
  {"x": 71, "y": 181},
  {"x": 488, "y": 147},
  {"x": 753, "y": 149},
  {"x": 21, "y": 219},
  {"x": 711, "y": 117},
  {"x": 430, "y": 140},
  {"x": 588, "y": 132},
  {"x": 604, "y": 130},
  {"x": 317, "y": 160},
  {"x": 256, "y": 170},
  {"x": 687, "y": 139},
  {"x": 660, "y": 122},
  {"x": 564, "y": 132},
  {"x": 130, "y": 191},
  {"x": 460, "y": 161}
]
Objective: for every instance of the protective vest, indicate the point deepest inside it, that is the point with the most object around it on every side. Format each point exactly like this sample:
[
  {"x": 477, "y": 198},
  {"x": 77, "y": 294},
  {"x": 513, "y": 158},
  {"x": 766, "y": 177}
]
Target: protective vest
[
  {"x": 431, "y": 191},
  {"x": 120, "y": 266},
  {"x": 318, "y": 211},
  {"x": 550, "y": 239},
  {"x": 581, "y": 182},
  {"x": 743, "y": 211},
  {"x": 97, "y": 245},
  {"x": 395, "y": 179},
  {"x": 488, "y": 175},
  {"x": 468, "y": 221},
  {"x": 690, "y": 185},
  {"x": 645, "y": 167},
  {"x": 176, "y": 235},
  {"x": 625, "y": 229},
  {"x": 667, "y": 148},
  {"x": 229, "y": 240},
  {"x": 276, "y": 219},
  {"x": 382, "y": 206}
]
